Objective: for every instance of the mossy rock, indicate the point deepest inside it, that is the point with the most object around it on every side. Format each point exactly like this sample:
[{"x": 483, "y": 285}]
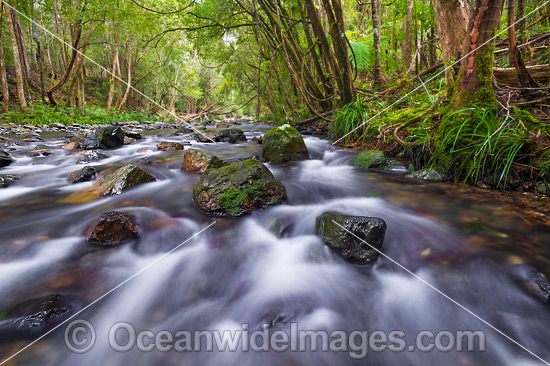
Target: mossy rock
[
  {"x": 238, "y": 189},
  {"x": 426, "y": 174},
  {"x": 199, "y": 161},
  {"x": 104, "y": 138},
  {"x": 85, "y": 174},
  {"x": 342, "y": 232},
  {"x": 283, "y": 144},
  {"x": 114, "y": 181},
  {"x": 369, "y": 159}
]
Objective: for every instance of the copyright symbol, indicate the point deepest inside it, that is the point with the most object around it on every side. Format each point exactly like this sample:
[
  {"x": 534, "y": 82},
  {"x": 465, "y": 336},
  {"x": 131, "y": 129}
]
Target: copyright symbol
[{"x": 80, "y": 336}]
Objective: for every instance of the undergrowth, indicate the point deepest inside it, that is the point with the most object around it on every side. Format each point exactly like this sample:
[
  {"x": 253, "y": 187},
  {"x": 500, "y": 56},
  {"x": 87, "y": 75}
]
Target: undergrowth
[{"x": 42, "y": 114}]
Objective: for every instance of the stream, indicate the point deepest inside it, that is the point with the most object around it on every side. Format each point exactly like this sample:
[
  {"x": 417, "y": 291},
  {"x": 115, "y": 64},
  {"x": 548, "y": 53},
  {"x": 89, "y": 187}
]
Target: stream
[{"x": 270, "y": 267}]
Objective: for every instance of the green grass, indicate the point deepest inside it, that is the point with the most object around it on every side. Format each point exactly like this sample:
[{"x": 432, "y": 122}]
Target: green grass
[
  {"x": 347, "y": 119},
  {"x": 42, "y": 114},
  {"x": 484, "y": 145}
]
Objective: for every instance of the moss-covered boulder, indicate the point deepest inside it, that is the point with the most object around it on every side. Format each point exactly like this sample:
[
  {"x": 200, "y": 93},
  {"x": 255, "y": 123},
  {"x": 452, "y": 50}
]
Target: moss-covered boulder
[
  {"x": 7, "y": 179},
  {"x": 284, "y": 143},
  {"x": 237, "y": 189},
  {"x": 5, "y": 159},
  {"x": 199, "y": 161},
  {"x": 342, "y": 232},
  {"x": 369, "y": 159},
  {"x": 104, "y": 138},
  {"x": 113, "y": 181},
  {"x": 426, "y": 174}
]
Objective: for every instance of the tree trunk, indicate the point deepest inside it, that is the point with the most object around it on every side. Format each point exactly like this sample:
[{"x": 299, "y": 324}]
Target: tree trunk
[
  {"x": 548, "y": 16},
  {"x": 112, "y": 82},
  {"x": 378, "y": 77},
  {"x": 475, "y": 85},
  {"x": 3, "y": 74},
  {"x": 407, "y": 46},
  {"x": 521, "y": 21},
  {"x": 516, "y": 60},
  {"x": 128, "y": 84},
  {"x": 452, "y": 18},
  {"x": 17, "y": 60},
  {"x": 335, "y": 17}
]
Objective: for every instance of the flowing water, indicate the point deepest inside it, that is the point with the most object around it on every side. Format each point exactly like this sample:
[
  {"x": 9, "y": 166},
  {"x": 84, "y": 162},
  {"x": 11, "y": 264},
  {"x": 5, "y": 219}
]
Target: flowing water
[{"x": 269, "y": 267}]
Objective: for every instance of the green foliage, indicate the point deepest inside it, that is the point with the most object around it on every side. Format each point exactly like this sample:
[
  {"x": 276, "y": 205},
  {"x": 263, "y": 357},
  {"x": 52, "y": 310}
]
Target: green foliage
[
  {"x": 3, "y": 315},
  {"x": 348, "y": 119},
  {"x": 362, "y": 56},
  {"x": 42, "y": 114},
  {"x": 483, "y": 145}
]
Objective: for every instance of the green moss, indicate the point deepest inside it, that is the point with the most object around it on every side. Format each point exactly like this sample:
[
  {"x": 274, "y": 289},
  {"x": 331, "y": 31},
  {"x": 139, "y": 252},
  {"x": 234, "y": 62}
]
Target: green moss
[
  {"x": 369, "y": 159},
  {"x": 232, "y": 201}
]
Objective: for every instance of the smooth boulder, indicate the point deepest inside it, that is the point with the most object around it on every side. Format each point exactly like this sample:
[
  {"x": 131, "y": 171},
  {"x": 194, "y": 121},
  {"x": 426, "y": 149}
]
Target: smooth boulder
[
  {"x": 91, "y": 156},
  {"x": 104, "y": 138},
  {"x": 85, "y": 174},
  {"x": 112, "y": 228},
  {"x": 5, "y": 159},
  {"x": 116, "y": 180},
  {"x": 345, "y": 235},
  {"x": 199, "y": 161},
  {"x": 369, "y": 159},
  {"x": 283, "y": 144},
  {"x": 238, "y": 189},
  {"x": 426, "y": 174}
]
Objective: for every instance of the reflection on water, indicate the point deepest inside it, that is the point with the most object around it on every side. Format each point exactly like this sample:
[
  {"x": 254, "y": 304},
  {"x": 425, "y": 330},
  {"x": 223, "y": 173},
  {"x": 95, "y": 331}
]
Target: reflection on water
[{"x": 270, "y": 267}]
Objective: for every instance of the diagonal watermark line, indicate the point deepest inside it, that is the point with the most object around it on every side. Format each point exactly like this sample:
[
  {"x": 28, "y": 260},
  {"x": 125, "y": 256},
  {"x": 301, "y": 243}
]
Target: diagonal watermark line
[
  {"x": 447, "y": 296},
  {"x": 107, "y": 71},
  {"x": 109, "y": 292},
  {"x": 440, "y": 73}
]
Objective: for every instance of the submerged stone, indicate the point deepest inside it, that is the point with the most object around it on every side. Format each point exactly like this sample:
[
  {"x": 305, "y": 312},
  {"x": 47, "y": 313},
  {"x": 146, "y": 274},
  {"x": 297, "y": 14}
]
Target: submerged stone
[
  {"x": 170, "y": 146},
  {"x": 426, "y": 174},
  {"x": 238, "y": 189},
  {"x": 345, "y": 235},
  {"x": 7, "y": 179},
  {"x": 283, "y": 144},
  {"x": 91, "y": 156}
]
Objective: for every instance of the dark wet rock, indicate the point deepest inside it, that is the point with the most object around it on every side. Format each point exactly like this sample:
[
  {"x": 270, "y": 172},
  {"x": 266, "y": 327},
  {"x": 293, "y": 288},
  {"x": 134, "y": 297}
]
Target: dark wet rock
[
  {"x": 237, "y": 189},
  {"x": 208, "y": 137},
  {"x": 116, "y": 180},
  {"x": 129, "y": 140},
  {"x": 170, "y": 146},
  {"x": 370, "y": 229},
  {"x": 426, "y": 174},
  {"x": 132, "y": 134},
  {"x": 7, "y": 179},
  {"x": 185, "y": 130},
  {"x": 85, "y": 174},
  {"x": 34, "y": 317},
  {"x": 232, "y": 135},
  {"x": 199, "y": 161},
  {"x": 91, "y": 156},
  {"x": 112, "y": 228},
  {"x": 369, "y": 159},
  {"x": 284, "y": 143},
  {"x": 5, "y": 159},
  {"x": 104, "y": 138}
]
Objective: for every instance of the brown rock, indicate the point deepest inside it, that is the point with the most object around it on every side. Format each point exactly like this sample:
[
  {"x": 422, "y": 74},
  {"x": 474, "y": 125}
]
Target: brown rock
[
  {"x": 72, "y": 146},
  {"x": 170, "y": 146},
  {"x": 112, "y": 228}
]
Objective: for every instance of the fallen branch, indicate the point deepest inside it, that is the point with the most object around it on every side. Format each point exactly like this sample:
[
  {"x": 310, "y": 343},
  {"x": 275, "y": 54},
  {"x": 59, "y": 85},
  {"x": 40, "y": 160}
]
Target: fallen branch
[
  {"x": 509, "y": 76},
  {"x": 315, "y": 118},
  {"x": 532, "y": 41}
]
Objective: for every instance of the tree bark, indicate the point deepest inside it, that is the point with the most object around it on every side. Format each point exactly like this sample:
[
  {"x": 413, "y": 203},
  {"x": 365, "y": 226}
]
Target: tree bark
[
  {"x": 516, "y": 60},
  {"x": 407, "y": 46},
  {"x": 128, "y": 83},
  {"x": 521, "y": 21},
  {"x": 475, "y": 85},
  {"x": 378, "y": 77},
  {"x": 452, "y": 18},
  {"x": 17, "y": 60},
  {"x": 112, "y": 81},
  {"x": 3, "y": 74}
]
